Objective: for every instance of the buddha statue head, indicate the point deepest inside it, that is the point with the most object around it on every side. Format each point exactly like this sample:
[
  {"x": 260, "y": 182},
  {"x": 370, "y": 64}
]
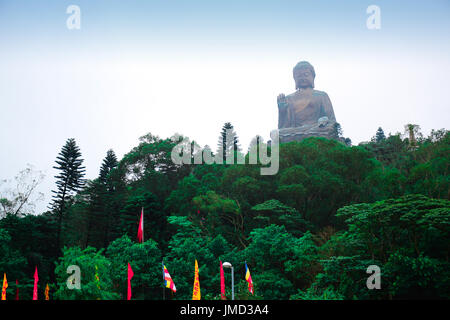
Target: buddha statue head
[{"x": 304, "y": 75}]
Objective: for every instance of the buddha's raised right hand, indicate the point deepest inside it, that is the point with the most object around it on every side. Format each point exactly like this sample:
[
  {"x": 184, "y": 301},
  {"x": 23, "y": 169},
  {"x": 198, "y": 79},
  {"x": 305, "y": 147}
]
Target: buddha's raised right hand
[{"x": 281, "y": 100}]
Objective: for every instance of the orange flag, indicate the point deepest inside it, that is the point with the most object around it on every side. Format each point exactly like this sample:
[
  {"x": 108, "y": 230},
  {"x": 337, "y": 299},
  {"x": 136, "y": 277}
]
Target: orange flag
[
  {"x": 196, "y": 293},
  {"x": 5, "y": 285},
  {"x": 46, "y": 292}
]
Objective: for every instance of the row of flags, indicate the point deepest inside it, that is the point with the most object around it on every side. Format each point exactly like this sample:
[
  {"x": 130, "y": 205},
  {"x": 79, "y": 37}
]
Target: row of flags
[
  {"x": 196, "y": 294},
  {"x": 35, "y": 288},
  {"x": 168, "y": 282}
]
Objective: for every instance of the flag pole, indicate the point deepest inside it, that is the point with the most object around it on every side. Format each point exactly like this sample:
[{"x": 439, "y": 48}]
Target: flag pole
[{"x": 164, "y": 292}]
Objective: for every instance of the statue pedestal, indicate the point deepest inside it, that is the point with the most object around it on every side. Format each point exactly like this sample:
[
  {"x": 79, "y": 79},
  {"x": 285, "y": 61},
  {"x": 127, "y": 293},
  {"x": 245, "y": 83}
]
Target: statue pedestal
[{"x": 306, "y": 131}]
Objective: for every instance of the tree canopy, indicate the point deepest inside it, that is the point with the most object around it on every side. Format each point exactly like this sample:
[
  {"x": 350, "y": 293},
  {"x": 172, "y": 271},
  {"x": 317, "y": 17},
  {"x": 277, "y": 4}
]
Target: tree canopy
[{"x": 308, "y": 232}]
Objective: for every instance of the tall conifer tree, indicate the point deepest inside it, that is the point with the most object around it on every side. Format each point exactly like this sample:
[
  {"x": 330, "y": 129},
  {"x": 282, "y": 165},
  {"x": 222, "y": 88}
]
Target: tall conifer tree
[
  {"x": 379, "y": 136},
  {"x": 109, "y": 163},
  {"x": 69, "y": 180},
  {"x": 224, "y": 147}
]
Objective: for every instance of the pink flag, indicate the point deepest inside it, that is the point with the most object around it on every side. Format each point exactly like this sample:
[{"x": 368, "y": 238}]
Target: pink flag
[
  {"x": 222, "y": 283},
  {"x": 35, "y": 289},
  {"x": 140, "y": 234},
  {"x": 130, "y": 275}
]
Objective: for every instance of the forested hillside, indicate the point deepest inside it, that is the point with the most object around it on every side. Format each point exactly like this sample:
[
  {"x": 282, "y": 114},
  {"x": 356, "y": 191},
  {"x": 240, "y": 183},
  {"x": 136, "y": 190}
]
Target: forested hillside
[{"x": 308, "y": 232}]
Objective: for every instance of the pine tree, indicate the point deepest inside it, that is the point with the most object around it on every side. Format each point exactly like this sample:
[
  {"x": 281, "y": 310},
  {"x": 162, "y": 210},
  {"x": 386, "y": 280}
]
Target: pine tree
[
  {"x": 109, "y": 163},
  {"x": 69, "y": 181},
  {"x": 94, "y": 210},
  {"x": 224, "y": 147},
  {"x": 379, "y": 136},
  {"x": 348, "y": 142},
  {"x": 338, "y": 134}
]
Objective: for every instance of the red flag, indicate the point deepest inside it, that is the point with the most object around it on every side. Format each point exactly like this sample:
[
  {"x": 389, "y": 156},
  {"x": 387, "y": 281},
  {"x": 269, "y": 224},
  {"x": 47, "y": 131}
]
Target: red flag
[
  {"x": 140, "y": 234},
  {"x": 222, "y": 283},
  {"x": 130, "y": 275},
  {"x": 17, "y": 289},
  {"x": 35, "y": 289}
]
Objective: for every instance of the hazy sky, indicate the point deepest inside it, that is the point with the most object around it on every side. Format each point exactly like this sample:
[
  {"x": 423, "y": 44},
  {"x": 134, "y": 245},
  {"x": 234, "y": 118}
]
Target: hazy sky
[{"x": 189, "y": 66}]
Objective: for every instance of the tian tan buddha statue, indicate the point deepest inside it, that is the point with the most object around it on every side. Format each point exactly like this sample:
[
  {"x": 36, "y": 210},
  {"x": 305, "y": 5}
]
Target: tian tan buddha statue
[{"x": 306, "y": 112}]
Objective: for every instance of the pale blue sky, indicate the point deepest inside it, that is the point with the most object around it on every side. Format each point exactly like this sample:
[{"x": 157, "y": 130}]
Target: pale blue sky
[{"x": 189, "y": 66}]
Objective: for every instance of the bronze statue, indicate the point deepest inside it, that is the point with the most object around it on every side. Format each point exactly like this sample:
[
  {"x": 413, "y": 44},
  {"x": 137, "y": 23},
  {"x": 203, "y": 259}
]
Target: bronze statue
[{"x": 306, "y": 112}]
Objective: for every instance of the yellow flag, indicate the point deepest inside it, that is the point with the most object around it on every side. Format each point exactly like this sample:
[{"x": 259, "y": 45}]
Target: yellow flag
[
  {"x": 5, "y": 285},
  {"x": 46, "y": 292},
  {"x": 196, "y": 293},
  {"x": 97, "y": 279}
]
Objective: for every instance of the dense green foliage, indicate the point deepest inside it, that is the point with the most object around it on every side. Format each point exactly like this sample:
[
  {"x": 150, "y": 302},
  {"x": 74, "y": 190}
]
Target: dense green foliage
[{"x": 308, "y": 232}]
